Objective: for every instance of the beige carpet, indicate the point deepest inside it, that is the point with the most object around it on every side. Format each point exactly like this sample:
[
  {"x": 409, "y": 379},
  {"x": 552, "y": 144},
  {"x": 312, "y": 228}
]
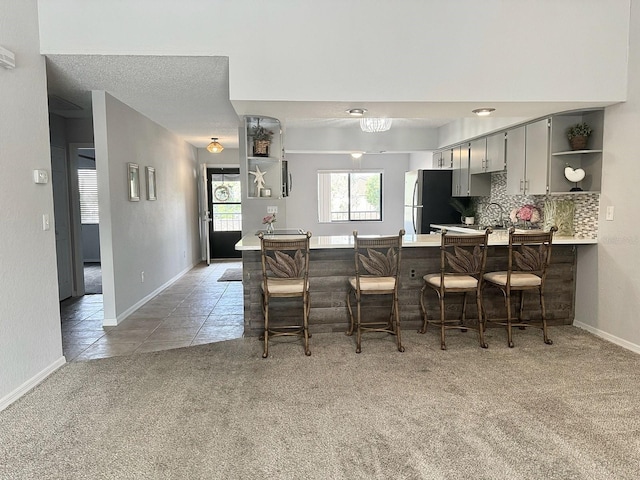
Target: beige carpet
[{"x": 220, "y": 411}]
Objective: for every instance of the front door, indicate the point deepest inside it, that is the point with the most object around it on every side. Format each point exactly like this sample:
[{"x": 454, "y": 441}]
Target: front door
[{"x": 224, "y": 194}]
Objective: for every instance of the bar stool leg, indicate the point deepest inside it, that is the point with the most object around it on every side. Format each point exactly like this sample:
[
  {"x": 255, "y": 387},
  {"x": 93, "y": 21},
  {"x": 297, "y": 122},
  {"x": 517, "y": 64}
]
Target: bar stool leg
[
  {"x": 480, "y": 307},
  {"x": 265, "y": 354},
  {"x": 509, "y": 334},
  {"x": 397, "y": 323},
  {"x": 443, "y": 346},
  {"x": 424, "y": 311},
  {"x": 349, "y": 332},
  {"x": 547, "y": 340},
  {"x": 358, "y": 326}
]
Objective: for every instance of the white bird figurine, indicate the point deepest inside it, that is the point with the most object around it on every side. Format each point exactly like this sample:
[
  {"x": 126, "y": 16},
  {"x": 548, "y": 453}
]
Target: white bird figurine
[{"x": 574, "y": 175}]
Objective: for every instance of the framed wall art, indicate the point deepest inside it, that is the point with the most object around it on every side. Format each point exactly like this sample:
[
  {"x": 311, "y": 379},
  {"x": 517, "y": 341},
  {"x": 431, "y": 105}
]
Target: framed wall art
[
  {"x": 133, "y": 172},
  {"x": 151, "y": 183}
]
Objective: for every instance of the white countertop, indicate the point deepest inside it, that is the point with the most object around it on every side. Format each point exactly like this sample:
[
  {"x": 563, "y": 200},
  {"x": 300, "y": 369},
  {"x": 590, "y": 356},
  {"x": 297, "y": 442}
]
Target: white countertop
[{"x": 501, "y": 237}]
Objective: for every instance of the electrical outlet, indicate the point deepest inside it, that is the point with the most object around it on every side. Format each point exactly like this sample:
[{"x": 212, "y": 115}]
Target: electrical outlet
[
  {"x": 412, "y": 273},
  {"x": 272, "y": 209},
  {"x": 141, "y": 277},
  {"x": 609, "y": 214},
  {"x": 46, "y": 223}
]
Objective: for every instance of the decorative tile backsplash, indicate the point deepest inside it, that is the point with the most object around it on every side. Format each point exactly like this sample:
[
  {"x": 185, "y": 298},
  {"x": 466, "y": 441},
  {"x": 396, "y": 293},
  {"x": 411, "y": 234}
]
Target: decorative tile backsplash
[{"x": 586, "y": 206}]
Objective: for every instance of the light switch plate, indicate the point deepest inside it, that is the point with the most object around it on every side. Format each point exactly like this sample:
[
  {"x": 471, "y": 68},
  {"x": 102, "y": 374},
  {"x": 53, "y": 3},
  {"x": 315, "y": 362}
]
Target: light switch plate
[
  {"x": 40, "y": 176},
  {"x": 609, "y": 213}
]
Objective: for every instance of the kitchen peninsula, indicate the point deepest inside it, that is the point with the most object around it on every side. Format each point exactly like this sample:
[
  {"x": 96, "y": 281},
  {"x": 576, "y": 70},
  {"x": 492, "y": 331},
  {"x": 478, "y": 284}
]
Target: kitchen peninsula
[{"x": 332, "y": 262}]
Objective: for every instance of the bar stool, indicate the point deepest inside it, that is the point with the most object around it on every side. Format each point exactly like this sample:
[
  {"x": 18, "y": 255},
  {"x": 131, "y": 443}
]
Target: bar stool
[
  {"x": 377, "y": 262},
  {"x": 285, "y": 274},
  {"x": 462, "y": 263},
  {"x": 528, "y": 259}
]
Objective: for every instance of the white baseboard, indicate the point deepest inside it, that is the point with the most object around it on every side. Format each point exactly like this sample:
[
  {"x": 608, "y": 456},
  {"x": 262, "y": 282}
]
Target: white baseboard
[
  {"x": 607, "y": 336},
  {"x": 113, "y": 322},
  {"x": 29, "y": 384}
]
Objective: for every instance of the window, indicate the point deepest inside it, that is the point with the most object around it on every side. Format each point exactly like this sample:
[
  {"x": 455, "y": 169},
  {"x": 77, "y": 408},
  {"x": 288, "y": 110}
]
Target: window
[
  {"x": 226, "y": 208},
  {"x": 349, "y": 196},
  {"x": 88, "y": 186}
]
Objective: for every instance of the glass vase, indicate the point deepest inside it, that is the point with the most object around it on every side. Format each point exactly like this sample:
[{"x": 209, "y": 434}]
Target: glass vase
[{"x": 270, "y": 228}]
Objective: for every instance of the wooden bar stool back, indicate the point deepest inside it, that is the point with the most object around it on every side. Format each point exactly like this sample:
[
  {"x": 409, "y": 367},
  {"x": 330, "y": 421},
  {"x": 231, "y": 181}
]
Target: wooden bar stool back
[
  {"x": 285, "y": 274},
  {"x": 377, "y": 268},
  {"x": 462, "y": 263},
  {"x": 528, "y": 259}
]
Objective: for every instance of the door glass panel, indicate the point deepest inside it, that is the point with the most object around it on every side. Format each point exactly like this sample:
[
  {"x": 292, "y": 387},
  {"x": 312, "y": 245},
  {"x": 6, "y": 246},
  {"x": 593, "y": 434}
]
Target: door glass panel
[{"x": 226, "y": 197}]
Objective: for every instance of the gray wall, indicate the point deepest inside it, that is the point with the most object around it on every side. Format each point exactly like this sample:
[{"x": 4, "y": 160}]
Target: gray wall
[
  {"x": 30, "y": 340},
  {"x": 159, "y": 238},
  {"x": 302, "y": 204}
]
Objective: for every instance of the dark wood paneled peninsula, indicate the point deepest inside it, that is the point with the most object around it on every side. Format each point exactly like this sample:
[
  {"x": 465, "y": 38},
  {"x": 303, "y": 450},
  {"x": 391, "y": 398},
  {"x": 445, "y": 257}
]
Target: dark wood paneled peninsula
[{"x": 332, "y": 262}]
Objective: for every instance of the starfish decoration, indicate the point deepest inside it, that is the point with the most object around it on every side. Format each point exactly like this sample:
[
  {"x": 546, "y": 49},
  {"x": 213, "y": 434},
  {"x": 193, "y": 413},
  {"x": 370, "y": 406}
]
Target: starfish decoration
[{"x": 259, "y": 180}]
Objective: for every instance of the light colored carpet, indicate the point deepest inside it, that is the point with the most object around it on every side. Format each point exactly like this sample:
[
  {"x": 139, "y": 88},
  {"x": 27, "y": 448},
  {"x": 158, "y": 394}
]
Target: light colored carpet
[
  {"x": 220, "y": 411},
  {"x": 231, "y": 275}
]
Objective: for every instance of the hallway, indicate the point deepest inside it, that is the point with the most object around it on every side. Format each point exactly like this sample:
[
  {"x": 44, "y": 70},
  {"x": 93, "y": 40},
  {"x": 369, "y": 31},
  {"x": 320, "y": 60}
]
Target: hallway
[{"x": 194, "y": 310}]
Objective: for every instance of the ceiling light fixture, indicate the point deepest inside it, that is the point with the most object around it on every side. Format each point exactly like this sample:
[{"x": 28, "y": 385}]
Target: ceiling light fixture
[
  {"x": 357, "y": 112},
  {"x": 483, "y": 112},
  {"x": 374, "y": 125},
  {"x": 356, "y": 155},
  {"x": 214, "y": 146}
]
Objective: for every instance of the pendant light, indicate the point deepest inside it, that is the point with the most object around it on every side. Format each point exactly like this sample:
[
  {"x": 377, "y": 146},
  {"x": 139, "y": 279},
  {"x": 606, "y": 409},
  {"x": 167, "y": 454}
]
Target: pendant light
[{"x": 214, "y": 146}]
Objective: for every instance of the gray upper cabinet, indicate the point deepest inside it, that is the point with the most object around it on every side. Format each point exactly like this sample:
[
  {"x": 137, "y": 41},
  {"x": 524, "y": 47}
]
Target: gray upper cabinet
[
  {"x": 487, "y": 154},
  {"x": 465, "y": 184},
  {"x": 460, "y": 176},
  {"x": 477, "y": 156},
  {"x": 495, "y": 160},
  {"x": 527, "y": 153}
]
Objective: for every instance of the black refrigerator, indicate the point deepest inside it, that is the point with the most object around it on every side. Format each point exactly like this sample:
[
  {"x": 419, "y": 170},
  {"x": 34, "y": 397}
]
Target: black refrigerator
[{"x": 427, "y": 194}]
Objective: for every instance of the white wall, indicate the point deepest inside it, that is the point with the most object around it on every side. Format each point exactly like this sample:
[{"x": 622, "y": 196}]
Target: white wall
[
  {"x": 30, "y": 341},
  {"x": 608, "y": 296},
  {"x": 302, "y": 204},
  {"x": 159, "y": 238},
  {"x": 496, "y": 50}
]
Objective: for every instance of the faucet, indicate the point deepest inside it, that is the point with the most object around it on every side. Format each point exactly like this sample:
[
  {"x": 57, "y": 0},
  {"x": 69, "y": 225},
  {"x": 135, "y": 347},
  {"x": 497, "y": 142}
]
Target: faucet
[{"x": 501, "y": 219}]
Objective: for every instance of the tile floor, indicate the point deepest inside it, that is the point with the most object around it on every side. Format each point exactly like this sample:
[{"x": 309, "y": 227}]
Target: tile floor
[{"x": 196, "y": 309}]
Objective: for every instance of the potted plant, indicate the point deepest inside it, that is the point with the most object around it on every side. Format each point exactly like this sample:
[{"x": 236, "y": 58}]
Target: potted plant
[
  {"x": 467, "y": 211},
  {"x": 578, "y": 135},
  {"x": 261, "y": 141}
]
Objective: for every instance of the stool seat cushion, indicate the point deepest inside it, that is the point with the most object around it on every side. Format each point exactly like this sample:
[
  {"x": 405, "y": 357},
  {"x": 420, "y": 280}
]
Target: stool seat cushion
[
  {"x": 518, "y": 279},
  {"x": 451, "y": 281},
  {"x": 285, "y": 285},
  {"x": 374, "y": 284}
]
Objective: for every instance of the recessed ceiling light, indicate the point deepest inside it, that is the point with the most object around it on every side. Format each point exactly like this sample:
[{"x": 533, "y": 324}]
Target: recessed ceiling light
[
  {"x": 357, "y": 112},
  {"x": 483, "y": 112}
]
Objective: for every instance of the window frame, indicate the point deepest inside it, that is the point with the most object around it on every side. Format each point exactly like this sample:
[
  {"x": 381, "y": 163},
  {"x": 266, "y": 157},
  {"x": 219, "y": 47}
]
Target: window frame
[{"x": 349, "y": 172}]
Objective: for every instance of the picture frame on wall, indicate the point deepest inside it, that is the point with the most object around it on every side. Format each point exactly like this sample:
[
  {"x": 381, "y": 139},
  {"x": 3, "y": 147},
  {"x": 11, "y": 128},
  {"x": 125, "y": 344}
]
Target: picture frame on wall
[
  {"x": 151, "y": 183},
  {"x": 133, "y": 172}
]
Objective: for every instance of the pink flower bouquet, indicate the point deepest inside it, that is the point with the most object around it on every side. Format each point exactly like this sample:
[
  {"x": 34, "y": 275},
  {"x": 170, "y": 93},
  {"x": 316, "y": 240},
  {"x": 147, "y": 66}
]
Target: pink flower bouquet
[
  {"x": 526, "y": 213},
  {"x": 269, "y": 219}
]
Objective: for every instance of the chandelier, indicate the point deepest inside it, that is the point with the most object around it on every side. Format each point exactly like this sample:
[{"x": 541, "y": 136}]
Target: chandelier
[{"x": 373, "y": 125}]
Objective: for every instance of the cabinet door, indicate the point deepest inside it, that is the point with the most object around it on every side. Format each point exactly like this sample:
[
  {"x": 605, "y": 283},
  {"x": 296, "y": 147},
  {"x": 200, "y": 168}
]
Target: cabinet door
[
  {"x": 495, "y": 159},
  {"x": 464, "y": 170},
  {"x": 437, "y": 160},
  {"x": 447, "y": 159},
  {"x": 477, "y": 156},
  {"x": 515, "y": 161},
  {"x": 537, "y": 157},
  {"x": 456, "y": 188}
]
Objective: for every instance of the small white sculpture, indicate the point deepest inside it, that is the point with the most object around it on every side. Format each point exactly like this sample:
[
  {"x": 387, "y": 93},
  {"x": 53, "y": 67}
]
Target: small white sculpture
[
  {"x": 258, "y": 180},
  {"x": 575, "y": 176}
]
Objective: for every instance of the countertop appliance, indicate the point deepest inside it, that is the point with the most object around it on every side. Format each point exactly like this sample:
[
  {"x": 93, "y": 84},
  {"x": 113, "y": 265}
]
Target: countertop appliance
[{"x": 427, "y": 194}]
